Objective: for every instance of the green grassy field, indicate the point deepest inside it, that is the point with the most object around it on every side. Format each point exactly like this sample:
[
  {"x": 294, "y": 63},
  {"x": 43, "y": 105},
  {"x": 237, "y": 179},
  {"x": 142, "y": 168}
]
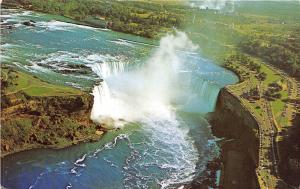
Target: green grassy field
[{"x": 19, "y": 81}]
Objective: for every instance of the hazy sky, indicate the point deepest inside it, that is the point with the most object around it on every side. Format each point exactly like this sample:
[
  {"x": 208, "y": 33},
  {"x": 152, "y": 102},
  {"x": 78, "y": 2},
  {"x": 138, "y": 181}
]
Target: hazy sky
[{"x": 220, "y": 4}]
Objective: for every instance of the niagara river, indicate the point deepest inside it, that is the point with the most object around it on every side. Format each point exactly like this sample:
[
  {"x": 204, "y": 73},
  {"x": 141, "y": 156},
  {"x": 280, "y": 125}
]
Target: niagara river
[{"x": 154, "y": 94}]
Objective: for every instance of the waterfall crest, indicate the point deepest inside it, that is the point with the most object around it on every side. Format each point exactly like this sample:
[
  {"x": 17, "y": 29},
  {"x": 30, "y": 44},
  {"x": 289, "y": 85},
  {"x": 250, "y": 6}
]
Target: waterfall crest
[{"x": 152, "y": 90}]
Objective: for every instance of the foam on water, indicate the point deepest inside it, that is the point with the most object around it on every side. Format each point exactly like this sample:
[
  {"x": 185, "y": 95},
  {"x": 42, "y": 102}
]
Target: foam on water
[
  {"x": 170, "y": 149},
  {"x": 82, "y": 57},
  {"x": 166, "y": 147},
  {"x": 150, "y": 90},
  {"x": 145, "y": 98},
  {"x": 123, "y": 42},
  {"x": 15, "y": 16},
  {"x": 69, "y": 186},
  {"x": 79, "y": 162},
  {"x": 7, "y": 46},
  {"x": 55, "y": 25},
  {"x": 35, "y": 68},
  {"x": 146, "y": 95},
  {"x": 136, "y": 42}
]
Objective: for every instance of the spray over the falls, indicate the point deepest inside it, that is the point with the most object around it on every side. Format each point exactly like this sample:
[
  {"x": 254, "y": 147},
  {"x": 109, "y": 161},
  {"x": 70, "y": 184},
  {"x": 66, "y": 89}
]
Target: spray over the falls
[
  {"x": 224, "y": 5},
  {"x": 147, "y": 91},
  {"x": 166, "y": 142},
  {"x": 147, "y": 94}
]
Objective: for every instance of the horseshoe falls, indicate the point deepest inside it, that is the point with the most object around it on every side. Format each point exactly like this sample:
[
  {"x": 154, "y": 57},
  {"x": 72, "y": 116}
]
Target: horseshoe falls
[{"x": 154, "y": 93}]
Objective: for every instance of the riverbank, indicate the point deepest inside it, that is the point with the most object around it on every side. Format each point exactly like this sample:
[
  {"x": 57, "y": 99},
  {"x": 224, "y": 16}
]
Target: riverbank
[
  {"x": 150, "y": 19},
  {"x": 253, "y": 123},
  {"x": 37, "y": 114},
  {"x": 269, "y": 94},
  {"x": 263, "y": 90},
  {"x": 239, "y": 148}
]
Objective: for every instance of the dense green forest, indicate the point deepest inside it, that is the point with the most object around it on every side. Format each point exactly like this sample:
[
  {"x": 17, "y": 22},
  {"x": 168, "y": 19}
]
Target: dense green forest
[
  {"x": 282, "y": 52},
  {"x": 143, "y": 18},
  {"x": 150, "y": 19}
]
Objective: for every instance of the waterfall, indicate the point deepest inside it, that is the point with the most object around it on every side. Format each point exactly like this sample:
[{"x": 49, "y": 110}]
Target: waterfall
[
  {"x": 105, "y": 70},
  {"x": 162, "y": 145},
  {"x": 132, "y": 95},
  {"x": 204, "y": 96},
  {"x": 155, "y": 89},
  {"x": 148, "y": 94}
]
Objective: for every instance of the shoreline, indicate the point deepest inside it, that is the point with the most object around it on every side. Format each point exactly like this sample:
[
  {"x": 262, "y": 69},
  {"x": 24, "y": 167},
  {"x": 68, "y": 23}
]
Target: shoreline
[
  {"x": 51, "y": 120},
  {"x": 239, "y": 143},
  {"x": 209, "y": 178},
  {"x": 240, "y": 83},
  {"x": 102, "y": 21},
  {"x": 88, "y": 139},
  {"x": 265, "y": 168}
]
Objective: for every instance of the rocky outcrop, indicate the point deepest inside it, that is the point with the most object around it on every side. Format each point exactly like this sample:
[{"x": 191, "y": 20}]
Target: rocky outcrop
[
  {"x": 29, "y": 23},
  {"x": 239, "y": 149},
  {"x": 289, "y": 148},
  {"x": 65, "y": 68},
  {"x": 19, "y": 102},
  {"x": 46, "y": 121}
]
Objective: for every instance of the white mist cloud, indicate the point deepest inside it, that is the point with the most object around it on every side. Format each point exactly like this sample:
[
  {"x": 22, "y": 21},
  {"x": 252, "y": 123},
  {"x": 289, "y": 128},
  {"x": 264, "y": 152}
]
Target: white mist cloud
[
  {"x": 213, "y": 4},
  {"x": 224, "y": 5},
  {"x": 147, "y": 91}
]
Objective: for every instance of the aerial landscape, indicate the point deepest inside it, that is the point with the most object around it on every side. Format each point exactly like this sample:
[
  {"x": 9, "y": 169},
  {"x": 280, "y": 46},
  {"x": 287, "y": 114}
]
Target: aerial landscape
[{"x": 170, "y": 94}]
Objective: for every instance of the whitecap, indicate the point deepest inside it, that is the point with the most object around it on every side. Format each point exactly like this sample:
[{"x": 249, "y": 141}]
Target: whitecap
[
  {"x": 8, "y": 45},
  {"x": 55, "y": 25},
  {"x": 122, "y": 42},
  {"x": 80, "y": 159},
  {"x": 69, "y": 186},
  {"x": 35, "y": 68},
  {"x": 73, "y": 170}
]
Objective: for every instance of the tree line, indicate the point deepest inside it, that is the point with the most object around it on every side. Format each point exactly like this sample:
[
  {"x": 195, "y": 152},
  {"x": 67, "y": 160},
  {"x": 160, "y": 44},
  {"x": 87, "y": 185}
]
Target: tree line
[
  {"x": 280, "y": 51},
  {"x": 142, "y": 18}
]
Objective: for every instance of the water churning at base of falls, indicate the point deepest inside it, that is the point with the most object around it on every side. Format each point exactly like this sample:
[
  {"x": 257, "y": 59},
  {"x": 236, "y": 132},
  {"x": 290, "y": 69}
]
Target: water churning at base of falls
[
  {"x": 151, "y": 94},
  {"x": 162, "y": 84},
  {"x": 147, "y": 95},
  {"x": 157, "y": 95}
]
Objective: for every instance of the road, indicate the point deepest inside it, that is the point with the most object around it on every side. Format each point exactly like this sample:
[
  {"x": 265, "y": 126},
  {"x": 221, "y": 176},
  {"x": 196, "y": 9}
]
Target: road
[{"x": 269, "y": 129}]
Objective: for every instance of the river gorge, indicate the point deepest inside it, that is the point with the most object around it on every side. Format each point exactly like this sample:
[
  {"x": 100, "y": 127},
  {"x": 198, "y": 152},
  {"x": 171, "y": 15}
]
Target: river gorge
[{"x": 155, "y": 95}]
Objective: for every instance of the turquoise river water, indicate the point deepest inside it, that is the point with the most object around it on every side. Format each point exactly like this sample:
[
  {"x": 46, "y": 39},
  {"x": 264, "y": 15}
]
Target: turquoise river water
[{"x": 156, "y": 92}]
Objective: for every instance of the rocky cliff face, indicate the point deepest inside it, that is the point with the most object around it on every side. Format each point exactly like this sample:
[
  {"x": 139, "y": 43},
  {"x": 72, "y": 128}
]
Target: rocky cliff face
[
  {"x": 17, "y": 103},
  {"x": 50, "y": 121},
  {"x": 240, "y": 146}
]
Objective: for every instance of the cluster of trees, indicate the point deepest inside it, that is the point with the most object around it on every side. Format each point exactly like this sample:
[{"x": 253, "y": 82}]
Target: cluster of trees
[
  {"x": 252, "y": 95},
  {"x": 233, "y": 61},
  {"x": 17, "y": 131},
  {"x": 142, "y": 18},
  {"x": 23, "y": 131},
  {"x": 282, "y": 52},
  {"x": 273, "y": 91},
  {"x": 7, "y": 78},
  {"x": 243, "y": 59}
]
